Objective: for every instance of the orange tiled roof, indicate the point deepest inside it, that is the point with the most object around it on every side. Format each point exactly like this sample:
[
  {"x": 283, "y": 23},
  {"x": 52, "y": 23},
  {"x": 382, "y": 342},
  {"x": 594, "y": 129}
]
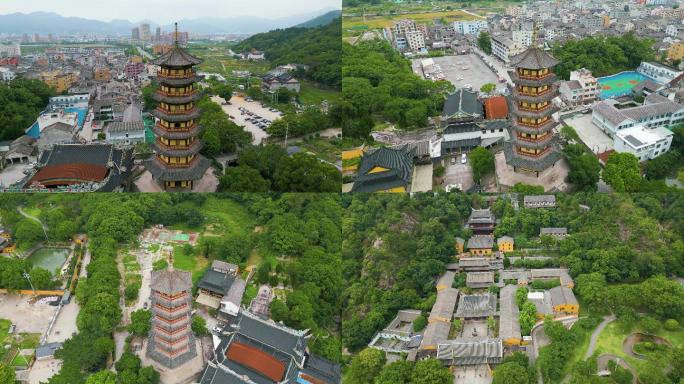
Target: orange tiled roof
[
  {"x": 496, "y": 107},
  {"x": 256, "y": 360},
  {"x": 75, "y": 173}
]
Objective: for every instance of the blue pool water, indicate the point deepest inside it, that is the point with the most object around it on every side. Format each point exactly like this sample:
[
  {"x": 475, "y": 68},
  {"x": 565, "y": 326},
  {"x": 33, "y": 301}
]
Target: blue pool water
[
  {"x": 82, "y": 112},
  {"x": 34, "y": 130},
  {"x": 620, "y": 84}
]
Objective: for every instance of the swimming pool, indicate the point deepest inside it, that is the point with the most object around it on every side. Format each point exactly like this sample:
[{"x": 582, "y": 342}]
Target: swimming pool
[{"x": 619, "y": 84}]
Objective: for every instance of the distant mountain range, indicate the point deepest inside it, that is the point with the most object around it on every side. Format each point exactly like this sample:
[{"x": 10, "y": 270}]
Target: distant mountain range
[
  {"x": 323, "y": 19},
  {"x": 47, "y": 22}
]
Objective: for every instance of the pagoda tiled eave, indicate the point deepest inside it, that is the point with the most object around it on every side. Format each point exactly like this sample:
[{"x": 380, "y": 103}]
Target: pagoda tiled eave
[
  {"x": 169, "y": 98},
  {"x": 538, "y": 130},
  {"x": 193, "y": 171},
  {"x": 532, "y": 113},
  {"x": 168, "y": 116},
  {"x": 547, "y": 95},
  {"x": 191, "y": 149},
  {"x": 176, "y": 134},
  {"x": 178, "y": 81},
  {"x": 533, "y": 81}
]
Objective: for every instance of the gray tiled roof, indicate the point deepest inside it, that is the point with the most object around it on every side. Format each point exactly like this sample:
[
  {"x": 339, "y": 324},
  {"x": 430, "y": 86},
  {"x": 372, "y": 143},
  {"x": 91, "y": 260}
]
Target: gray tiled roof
[
  {"x": 171, "y": 281},
  {"x": 120, "y": 127},
  {"x": 534, "y": 199},
  {"x": 398, "y": 161},
  {"x": 533, "y": 58},
  {"x": 216, "y": 282},
  {"x": 553, "y": 231},
  {"x": 562, "y": 295},
  {"x": 471, "y": 351},
  {"x": 463, "y": 102},
  {"x": 177, "y": 57},
  {"x": 476, "y": 306},
  {"x": 479, "y": 278},
  {"x": 480, "y": 241}
]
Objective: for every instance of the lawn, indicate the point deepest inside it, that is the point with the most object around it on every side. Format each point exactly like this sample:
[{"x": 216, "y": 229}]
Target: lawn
[
  {"x": 328, "y": 150},
  {"x": 32, "y": 211},
  {"x": 227, "y": 216},
  {"x": 193, "y": 263},
  {"x": 250, "y": 293},
  {"x": 614, "y": 334},
  {"x": 312, "y": 95}
]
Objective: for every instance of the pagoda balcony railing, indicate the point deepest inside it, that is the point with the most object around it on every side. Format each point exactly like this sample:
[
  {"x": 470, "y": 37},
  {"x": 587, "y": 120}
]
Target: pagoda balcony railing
[
  {"x": 534, "y": 77},
  {"x": 180, "y": 165},
  {"x": 533, "y": 155},
  {"x": 534, "y": 140},
  {"x": 534, "y": 110},
  {"x": 176, "y": 76},
  {"x": 171, "y": 130},
  {"x": 537, "y": 94},
  {"x": 177, "y": 112},
  {"x": 192, "y": 145},
  {"x": 534, "y": 125},
  {"x": 175, "y": 94}
]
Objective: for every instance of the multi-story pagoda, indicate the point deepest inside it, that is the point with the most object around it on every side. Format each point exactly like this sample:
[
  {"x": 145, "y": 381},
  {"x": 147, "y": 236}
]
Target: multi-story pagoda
[
  {"x": 177, "y": 163},
  {"x": 171, "y": 342},
  {"x": 533, "y": 145}
]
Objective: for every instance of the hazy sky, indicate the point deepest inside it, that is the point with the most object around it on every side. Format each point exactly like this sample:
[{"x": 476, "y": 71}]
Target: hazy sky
[{"x": 166, "y": 11}]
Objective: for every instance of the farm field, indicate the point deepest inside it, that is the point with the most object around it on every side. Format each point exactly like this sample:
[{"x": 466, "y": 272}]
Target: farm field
[{"x": 379, "y": 22}]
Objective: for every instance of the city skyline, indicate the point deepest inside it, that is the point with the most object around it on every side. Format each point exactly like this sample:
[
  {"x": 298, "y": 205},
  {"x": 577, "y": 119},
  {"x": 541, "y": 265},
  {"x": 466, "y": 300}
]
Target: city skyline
[{"x": 166, "y": 12}]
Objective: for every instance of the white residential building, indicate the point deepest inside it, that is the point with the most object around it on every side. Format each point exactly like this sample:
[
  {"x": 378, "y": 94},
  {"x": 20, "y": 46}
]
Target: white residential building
[
  {"x": 523, "y": 36},
  {"x": 69, "y": 101},
  {"x": 6, "y": 74},
  {"x": 505, "y": 48},
  {"x": 657, "y": 111},
  {"x": 659, "y": 72},
  {"x": 581, "y": 89},
  {"x": 401, "y": 27},
  {"x": 10, "y": 50},
  {"x": 513, "y": 10},
  {"x": 673, "y": 30},
  {"x": 470, "y": 27},
  {"x": 642, "y": 142},
  {"x": 415, "y": 40}
]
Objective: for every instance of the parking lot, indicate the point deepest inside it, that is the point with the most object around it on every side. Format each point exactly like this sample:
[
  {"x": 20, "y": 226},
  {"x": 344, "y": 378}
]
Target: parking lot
[
  {"x": 464, "y": 70},
  {"x": 240, "y": 110},
  {"x": 591, "y": 135},
  {"x": 458, "y": 173}
]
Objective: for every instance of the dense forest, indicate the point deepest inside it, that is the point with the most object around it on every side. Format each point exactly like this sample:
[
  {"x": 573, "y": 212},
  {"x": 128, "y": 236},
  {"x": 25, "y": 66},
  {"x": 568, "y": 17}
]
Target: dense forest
[
  {"x": 603, "y": 55},
  {"x": 379, "y": 85},
  {"x": 318, "y": 48},
  {"x": 21, "y": 101}
]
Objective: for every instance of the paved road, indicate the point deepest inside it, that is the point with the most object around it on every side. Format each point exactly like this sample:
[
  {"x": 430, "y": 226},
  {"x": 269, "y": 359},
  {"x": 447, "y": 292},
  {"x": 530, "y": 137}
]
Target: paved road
[
  {"x": 21, "y": 211},
  {"x": 595, "y": 335},
  {"x": 602, "y": 365},
  {"x": 145, "y": 53}
]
